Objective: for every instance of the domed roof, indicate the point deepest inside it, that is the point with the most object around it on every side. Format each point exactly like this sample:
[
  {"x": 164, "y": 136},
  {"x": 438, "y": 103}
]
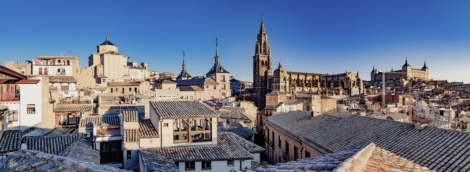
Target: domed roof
[{"x": 107, "y": 42}]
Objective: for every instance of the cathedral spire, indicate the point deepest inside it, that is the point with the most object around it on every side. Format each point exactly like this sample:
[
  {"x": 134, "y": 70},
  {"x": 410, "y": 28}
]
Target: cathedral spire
[
  {"x": 184, "y": 62},
  {"x": 406, "y": 63},
  {"x": 217, "y": 51},
  {"x": 262, "y": 30},
  {"x": 373, "y": 68}
]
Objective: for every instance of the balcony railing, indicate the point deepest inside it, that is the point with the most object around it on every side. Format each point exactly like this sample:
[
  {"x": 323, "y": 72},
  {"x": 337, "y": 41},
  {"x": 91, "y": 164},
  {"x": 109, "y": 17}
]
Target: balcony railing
[{"x": 60, "y": 73}]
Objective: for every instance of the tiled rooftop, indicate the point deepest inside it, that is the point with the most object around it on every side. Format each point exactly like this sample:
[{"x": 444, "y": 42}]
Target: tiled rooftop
[
  {"x": 182, "y": 109},
  {"x": 98, "y": 120},
  {"x": 157, "y": 162},
  {"x": 11, "y": 141},
  {"x": 364, "y": 159},
  {"x": 147, "y": 129},
  {"x": 226, "y": 149},
  {"x": 249, "y": 146},
  {"x": 434, "y": 148},
  {"x": 62, "y": 79},
  {"x": 29, "y": 160},
  {"x": 234, "y": 113},
  {"x": 190, "y": 88},
  {"x": 51, "y": 144},
  {"x": 131, "y": 116},
  {"x": 131, "y": 135},
  {"x": 327, "y": 162},
  {"x": 73, "y": 108},
  {"x": 82, "y": 150},
  {"x": 237, "y": 128}
]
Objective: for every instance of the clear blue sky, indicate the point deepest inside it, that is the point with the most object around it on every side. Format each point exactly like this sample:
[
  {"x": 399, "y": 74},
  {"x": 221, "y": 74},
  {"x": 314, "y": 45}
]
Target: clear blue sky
[{"x": 322, "y": 36}]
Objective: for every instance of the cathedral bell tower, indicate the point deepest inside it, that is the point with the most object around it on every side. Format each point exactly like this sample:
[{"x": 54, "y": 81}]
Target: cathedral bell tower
[{"x": 262, "y": 67}]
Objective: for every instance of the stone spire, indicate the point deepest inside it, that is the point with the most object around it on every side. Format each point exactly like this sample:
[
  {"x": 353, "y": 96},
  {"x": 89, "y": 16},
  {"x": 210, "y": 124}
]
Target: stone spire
[
  {"x": 262, "y": 30},
  {"x": 184, "y": 62},
  {"x": 406, "y": 63},
  {"x": 424, "y": 67},
  {"x": 183, "y": 74},
  {"x": 373, "y": 69},
  {"x": 217, "y": 58}
]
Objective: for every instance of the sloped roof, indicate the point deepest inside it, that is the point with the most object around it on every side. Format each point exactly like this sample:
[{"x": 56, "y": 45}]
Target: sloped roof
[
  {"x": 30, "y": 160},
  {"x": 237, "y": 128},
  {"x": 10, "y": 141},
  {"x": 131, "y": 116},
  {"x": 157, "y": 162},
  {"x": 62, "y": 79},
  {"x": 249, "y": 146},
  {"x": 235, "y": 113},
  {"x": 226, "y": 149},
  {"x": 363, "y": 159},
  {"x": 217, "y": 68},
  {"x": 53, "y": 144},
  {"x": 73, "y": 108},
  {"x": 182, "y": 109},
  {"x": 82, "y": 150},
  {"x": 434, "y": 148},
  {"x": 98, "y": 120},
  {"x": 196, "y": 81}
]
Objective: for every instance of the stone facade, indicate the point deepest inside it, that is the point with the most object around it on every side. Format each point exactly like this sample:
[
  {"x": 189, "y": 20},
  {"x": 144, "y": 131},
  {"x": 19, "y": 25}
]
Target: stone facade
[
  {"x": 264, "y": 82},
  {"x": 220, "y": 75},
  {"x": 406, "y": 73}
]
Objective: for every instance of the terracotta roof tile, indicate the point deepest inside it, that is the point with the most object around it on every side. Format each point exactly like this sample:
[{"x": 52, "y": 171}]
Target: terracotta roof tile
[
  {"x": 98, "y": 120},
  {"x": 62, "y": 79},
  {"x": 225, "y": 149},
  {"x": 11, "y": 141},
  {"x": 131, "y": 135},
  {"x": 30, "y": 160},
  {"x": 131, "y": 116},
  {"x": 182, "y": 109},
  {"x": 147, "y": 129},
  {"x": 73, "y": 108},
  {"x": 436, "y": 149},
  {"x": 54, "y": 144},
  {"x": 157, "y": 162}
]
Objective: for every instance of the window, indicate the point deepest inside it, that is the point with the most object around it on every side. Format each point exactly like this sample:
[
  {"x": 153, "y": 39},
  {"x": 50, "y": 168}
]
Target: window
[
  {"x": 307, "y": 154},
  {"x": 279, "y": 141},
  {"x": 206, "y": 165},
  {"x": 296, "y": 153},
  {"x": 130, "y": 89},
  {"x": 129, "y": 154},
  {"x": 111, "y": 90},
  {"x": 122, "y": 90},
  {"x": 111, "y": 151},
  {"x": 31, "y": 108},
  {"x": 40, "y": 71},
  {"x": 189, "y": 166},
  {"x": 287, "y": 147},
  {"x": 165, "y": 124},
  {"x": 197, "y": 129},
  {"x": 12, "y": 115},
  {"x": 177, "y": 165},
  {"x": 272, "y": 132},
  {"x": 230, "y": 163},
  {"x": 64, "y": 88},
  {"x": 45, "y": 71}
]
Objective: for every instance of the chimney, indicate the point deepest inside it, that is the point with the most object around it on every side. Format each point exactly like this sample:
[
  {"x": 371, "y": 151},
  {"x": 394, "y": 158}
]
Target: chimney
[{"x": 420, "y": 126}]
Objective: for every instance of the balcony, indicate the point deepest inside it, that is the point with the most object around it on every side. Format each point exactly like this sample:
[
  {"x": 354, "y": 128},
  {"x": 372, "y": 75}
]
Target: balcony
[{"x": 60, "y": 73}]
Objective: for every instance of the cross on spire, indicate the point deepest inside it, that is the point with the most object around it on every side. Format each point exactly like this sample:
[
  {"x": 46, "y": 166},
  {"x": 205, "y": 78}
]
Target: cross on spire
[{"x": 107, "y": 37}]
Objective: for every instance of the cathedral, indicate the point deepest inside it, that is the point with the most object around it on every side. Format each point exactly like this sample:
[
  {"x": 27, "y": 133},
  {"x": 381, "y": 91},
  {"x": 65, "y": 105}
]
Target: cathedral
[
  {"x": 406, "y": 72},
  {"x": 291, "y": 82}
]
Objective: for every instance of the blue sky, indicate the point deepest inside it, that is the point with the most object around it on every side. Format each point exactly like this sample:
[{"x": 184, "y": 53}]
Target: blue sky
[{"x": 321, "y": 36}]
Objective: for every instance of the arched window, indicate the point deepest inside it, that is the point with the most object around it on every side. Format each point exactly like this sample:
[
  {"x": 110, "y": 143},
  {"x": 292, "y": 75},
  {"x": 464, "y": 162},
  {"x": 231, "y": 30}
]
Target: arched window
[{"x": 68, "y": 62}]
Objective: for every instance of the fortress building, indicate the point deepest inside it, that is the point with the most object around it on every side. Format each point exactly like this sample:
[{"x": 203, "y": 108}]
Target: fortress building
[{"x": 406, "y": 72}]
